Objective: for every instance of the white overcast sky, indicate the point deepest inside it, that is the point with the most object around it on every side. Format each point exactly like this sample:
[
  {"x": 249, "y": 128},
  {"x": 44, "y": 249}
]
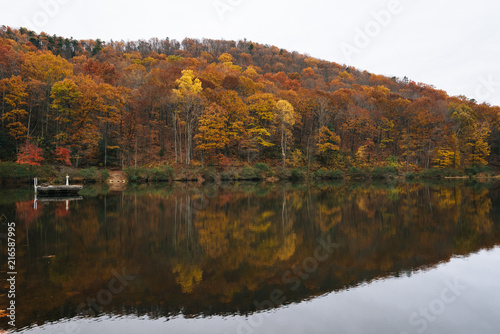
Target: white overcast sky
[{"x": 453, "y": 45}]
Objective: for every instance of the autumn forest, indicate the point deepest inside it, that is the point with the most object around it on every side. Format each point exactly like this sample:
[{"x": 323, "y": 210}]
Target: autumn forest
[{"x": 224, "y": 103}]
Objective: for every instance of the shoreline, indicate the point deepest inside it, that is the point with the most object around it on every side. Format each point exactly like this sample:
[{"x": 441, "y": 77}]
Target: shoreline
[{"x": 11, "y": 173}]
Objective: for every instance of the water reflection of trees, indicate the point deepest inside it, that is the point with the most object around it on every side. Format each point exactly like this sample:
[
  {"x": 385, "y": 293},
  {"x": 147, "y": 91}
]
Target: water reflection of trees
[{"x": 217, "y": 249}]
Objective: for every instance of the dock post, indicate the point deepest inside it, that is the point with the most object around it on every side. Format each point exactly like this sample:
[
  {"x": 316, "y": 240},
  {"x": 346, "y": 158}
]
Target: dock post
[{"x": 35, "y": 183}]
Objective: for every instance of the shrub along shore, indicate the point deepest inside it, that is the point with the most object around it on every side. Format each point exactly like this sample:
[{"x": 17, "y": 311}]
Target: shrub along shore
[{"x": 11, "y": 173}]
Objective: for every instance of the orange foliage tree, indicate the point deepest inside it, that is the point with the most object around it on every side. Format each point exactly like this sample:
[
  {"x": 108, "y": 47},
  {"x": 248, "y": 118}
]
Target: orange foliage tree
[
  {"x": 62, "y": 155},
  {"x": 30, "y": 154}
]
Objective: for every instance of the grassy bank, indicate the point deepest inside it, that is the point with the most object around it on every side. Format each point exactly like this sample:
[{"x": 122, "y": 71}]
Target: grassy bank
[
  {"x": 263, "y": 172},
  {"x": 11, "y": 173}
]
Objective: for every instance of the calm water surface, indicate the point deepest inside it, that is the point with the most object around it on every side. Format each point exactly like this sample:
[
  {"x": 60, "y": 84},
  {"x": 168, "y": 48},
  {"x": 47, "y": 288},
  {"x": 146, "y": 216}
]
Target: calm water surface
[{"x": 249, "y": 258}]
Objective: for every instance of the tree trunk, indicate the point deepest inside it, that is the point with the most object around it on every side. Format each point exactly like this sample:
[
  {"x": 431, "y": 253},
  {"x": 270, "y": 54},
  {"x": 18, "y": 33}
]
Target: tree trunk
[
  {"x": 188, "y": 134},
  {"x": 106, "y": 147},
  {"x": 431, "y": 148},
  {"x": 160, "y": 130},
  {"x": 3, "y": 108},
  {"x": 47, "y": 115},
  {"x": 180, "y": 144},
  {"x": 186, "y": 144},
  {"x": 407, "y": 150},
  {"x": 283, "y": 148},
  {"x": 29, "y": 122},
  {"x": 307, "y": 155},
  {"x": 174, "y": 124},
  {"x": 135, "y": 164}
]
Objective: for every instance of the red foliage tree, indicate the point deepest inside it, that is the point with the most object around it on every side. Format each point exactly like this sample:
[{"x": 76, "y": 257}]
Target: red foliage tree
[
  {"x": 63, "y": 155},
  {"x": 30, "y": 154}
]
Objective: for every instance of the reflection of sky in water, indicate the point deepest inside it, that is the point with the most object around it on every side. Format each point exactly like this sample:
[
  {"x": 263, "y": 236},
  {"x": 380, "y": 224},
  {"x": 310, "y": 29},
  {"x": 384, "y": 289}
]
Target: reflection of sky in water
[{"x": 384, "y": 306}]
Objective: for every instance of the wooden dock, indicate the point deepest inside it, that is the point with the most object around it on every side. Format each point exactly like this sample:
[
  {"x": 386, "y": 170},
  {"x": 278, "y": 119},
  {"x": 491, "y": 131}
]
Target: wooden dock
[{"x": 57, "y": 190}]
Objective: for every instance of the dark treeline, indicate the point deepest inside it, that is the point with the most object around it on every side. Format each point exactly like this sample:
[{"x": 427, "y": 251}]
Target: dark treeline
[{"x": 226, "y": 103}]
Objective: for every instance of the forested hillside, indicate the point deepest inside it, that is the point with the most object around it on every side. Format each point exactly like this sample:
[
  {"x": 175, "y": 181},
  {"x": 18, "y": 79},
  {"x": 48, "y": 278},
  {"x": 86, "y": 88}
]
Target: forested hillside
[{"x": 118, "y": 104}]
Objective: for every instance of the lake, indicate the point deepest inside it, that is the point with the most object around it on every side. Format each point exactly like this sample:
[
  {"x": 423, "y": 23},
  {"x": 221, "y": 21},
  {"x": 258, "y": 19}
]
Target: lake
[{"x": 388, "y": 257}]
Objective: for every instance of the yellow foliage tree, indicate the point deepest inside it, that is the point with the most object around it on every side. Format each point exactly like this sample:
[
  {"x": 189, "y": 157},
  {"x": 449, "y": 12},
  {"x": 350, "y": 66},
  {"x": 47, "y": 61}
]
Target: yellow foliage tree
[
  {"x": 327, "y": 142},
  {"x": 226, "y": 58},
  {"x": 188, "y": 84},
  {"x": 64, "y": 96},
  {"x": 447, "y": 158},
  {"x": 471, "y": 135},
  {"x": 362, "y": 154},
  {"x": 477, "y": 146},
  {"x": 14, "y": 92},
  {"x": 286, "y": 119},
  {"x": 387, "y": 129},
  {"x": 236, "y": 115},
  {"x": 254, "y": 139},
  {"x": 262, "y": 106},
  {"x": 188, "y": 96},
  {"x": 85, "y": 113},
  {"x": 48, "y": 69},
  {"x": 251, "y": 72},
  {"x": 212, "y": 133},
  {"x": 261, "y": 116}
]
